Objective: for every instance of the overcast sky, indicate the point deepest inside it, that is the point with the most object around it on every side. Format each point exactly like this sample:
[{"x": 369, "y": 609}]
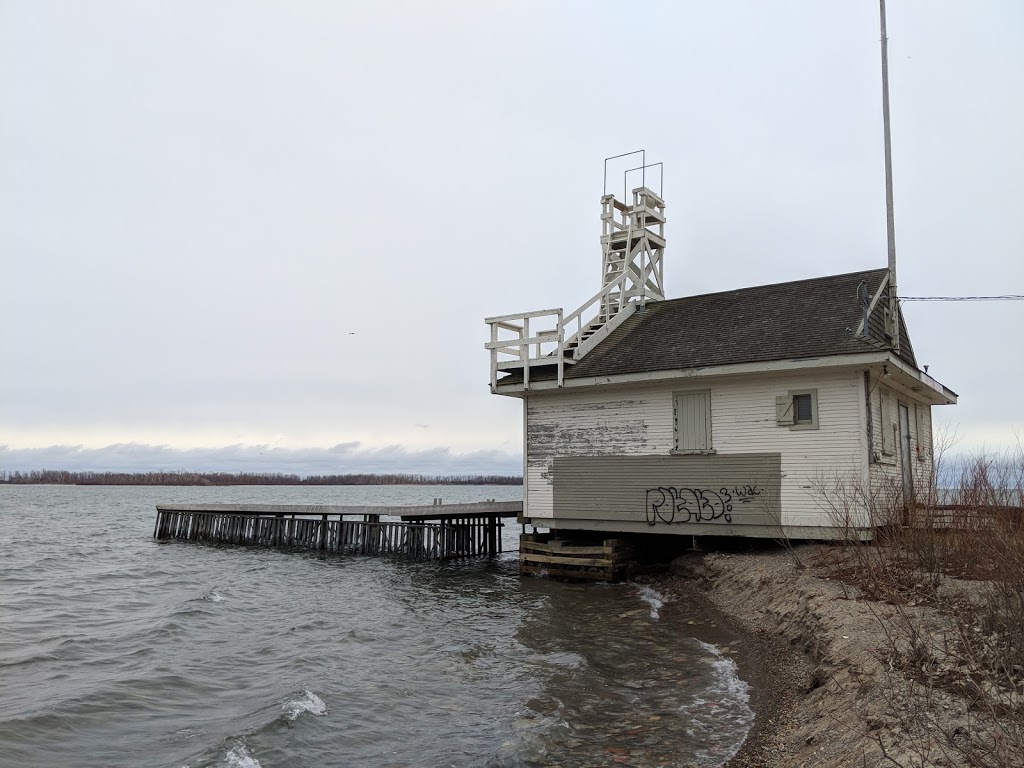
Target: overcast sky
[{"x": 246, "y": 233}]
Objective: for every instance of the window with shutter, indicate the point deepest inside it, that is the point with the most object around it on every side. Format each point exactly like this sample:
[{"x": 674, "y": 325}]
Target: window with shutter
[
  {"x": 693, "y": 421},
  {"x": 923, "y": 439},
  {"x": 798, "y": 409},
  {"x": 888, "y": 423},
  {"x": 784, "y": 410}
]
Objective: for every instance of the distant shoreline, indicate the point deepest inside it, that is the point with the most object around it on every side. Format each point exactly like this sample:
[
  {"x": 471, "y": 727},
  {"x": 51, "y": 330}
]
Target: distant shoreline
[{"x": 210, "y": 479}]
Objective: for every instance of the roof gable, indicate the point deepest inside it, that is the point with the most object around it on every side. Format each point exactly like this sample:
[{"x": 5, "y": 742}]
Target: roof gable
[{"x": 876, "y": 327}]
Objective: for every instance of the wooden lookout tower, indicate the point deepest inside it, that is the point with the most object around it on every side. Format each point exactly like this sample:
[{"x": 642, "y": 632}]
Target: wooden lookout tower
[{"x": 632, "y": 273}]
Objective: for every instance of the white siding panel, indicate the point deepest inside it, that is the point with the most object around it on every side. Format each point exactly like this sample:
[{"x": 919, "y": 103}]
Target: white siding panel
[
  {"x": 744, "y": 419},
  {"x": 638, "y": 420},
  {"x": 887, "y": 470},
  {"x": 591, "y": 424}
]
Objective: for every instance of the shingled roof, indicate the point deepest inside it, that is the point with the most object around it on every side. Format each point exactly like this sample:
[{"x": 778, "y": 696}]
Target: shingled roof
[{"x": 784, "y": 321}]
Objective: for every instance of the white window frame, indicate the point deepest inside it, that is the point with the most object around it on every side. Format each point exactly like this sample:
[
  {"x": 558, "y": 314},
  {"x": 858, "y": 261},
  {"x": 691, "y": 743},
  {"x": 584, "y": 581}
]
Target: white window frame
[
  {"x": 813, "y": 423},
  {"x": 785, "y": 409}
]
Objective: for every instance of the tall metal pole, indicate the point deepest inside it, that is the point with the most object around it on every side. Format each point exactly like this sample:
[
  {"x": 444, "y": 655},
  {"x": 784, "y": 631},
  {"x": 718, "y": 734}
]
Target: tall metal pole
[{"x": 890, "y": 220}]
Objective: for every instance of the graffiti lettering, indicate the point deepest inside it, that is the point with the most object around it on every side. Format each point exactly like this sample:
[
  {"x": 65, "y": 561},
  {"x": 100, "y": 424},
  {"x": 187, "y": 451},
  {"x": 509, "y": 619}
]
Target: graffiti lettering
[
  {"x": 689, "y": 505},
  {"x": 746, "y": 493},
  {"x": 670, "y": 505}
]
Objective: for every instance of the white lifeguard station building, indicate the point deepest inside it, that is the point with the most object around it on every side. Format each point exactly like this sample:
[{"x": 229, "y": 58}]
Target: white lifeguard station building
[{"x": 711, "y": 414}]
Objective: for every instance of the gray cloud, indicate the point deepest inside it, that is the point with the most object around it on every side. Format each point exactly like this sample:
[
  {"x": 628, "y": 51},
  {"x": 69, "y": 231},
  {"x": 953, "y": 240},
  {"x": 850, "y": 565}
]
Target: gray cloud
[
  {"x": 338, "y": 459},
  {"x": 283, "y": 223}
]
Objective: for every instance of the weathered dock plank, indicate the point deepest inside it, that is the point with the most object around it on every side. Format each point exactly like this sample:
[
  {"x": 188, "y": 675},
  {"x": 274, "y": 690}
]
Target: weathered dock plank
[
  {"x": 544, "y": 555},
  {"x": 425, "y": 511}
]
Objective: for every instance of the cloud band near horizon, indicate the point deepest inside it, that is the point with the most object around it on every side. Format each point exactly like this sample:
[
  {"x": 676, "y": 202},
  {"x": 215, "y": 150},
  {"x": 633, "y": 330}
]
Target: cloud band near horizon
[{"x": 344, "y": 458}]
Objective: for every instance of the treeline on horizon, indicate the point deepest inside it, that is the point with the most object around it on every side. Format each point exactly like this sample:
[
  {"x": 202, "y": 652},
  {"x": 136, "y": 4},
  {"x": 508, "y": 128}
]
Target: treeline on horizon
[{"x": 64, "y": 477}]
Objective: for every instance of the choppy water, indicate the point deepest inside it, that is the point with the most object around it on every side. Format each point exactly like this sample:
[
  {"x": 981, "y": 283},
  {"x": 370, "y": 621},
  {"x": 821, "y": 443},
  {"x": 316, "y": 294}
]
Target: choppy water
[{"x": 116, "y": 650}]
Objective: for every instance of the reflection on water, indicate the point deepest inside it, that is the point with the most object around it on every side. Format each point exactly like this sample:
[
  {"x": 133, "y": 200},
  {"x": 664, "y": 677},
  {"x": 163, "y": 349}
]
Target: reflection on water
[{"x": 120, "y": 651}]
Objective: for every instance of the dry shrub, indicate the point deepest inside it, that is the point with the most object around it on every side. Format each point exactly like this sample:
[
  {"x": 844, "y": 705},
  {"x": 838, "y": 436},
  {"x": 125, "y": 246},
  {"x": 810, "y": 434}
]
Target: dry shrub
[
  {"x": 884, "y": 567},
  {"x": 959, "y": 552}
]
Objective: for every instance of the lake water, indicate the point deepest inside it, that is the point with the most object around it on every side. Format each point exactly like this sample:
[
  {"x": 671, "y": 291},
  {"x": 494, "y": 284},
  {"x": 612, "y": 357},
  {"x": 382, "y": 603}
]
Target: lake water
[{"x": 117, "y": 650}]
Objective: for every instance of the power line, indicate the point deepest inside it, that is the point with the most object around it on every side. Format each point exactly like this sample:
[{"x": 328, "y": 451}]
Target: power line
[{"x": 1008, "y": 297}]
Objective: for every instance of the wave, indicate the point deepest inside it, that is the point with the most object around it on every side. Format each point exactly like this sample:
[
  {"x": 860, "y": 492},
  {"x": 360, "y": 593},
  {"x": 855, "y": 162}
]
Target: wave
[
  {"x": 566, "y": 659},
  {"x": 306, "y": 702},
  {"x": 723, "y": 708},
  {"x": 238, "y": 757},
  {"x": 654, "y": 599},
  {"x": 213, "y": 596},
  {"x": 261, "y": 723}
]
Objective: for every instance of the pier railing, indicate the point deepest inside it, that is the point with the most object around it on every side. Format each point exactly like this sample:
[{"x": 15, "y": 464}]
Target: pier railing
[{"x": 450, "y": 538}]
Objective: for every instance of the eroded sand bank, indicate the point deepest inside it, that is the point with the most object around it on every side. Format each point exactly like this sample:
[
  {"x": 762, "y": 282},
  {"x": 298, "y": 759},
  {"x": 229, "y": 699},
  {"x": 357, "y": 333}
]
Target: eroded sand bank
[{"x": 818, "y": 657}]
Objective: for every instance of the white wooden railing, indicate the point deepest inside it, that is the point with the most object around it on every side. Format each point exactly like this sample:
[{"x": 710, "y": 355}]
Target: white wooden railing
[
  {"x": 545, "y": 336},
  {"x": 528, "y": 346}
]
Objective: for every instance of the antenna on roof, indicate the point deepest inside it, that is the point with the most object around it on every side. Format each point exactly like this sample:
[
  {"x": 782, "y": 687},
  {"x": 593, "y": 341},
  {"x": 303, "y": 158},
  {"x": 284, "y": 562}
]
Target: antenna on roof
[
  {"x": 890, "y": 220},
  {"x": 864, "y": 297},
  {"x": 642, "y": 168},
  {"x": 632, "y": 237}
]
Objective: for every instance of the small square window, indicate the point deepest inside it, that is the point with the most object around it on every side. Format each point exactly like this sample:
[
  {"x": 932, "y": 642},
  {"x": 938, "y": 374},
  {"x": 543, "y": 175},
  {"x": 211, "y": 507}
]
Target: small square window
[
  {"x": 803, "y": 409},
  {"x": 798, "y": 409}
]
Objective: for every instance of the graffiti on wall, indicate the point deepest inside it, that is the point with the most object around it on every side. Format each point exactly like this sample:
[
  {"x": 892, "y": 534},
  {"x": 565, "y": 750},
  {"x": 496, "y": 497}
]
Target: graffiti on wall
[
  {"x": 670, "y": 505},
  {"x": 638, "y": 492}
]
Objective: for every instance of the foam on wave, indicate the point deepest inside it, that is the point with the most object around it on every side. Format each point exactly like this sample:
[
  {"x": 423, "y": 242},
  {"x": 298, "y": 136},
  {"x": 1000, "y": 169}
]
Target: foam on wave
[
  {"x": 725, "y": 702},
  {"x": 238, "y": 757},
  {"x": 307, "y": 702},
  {"x": 653, "y": 598}
]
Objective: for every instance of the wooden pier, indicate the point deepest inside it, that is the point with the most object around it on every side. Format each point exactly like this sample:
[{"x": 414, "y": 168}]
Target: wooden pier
[{"x": 426, "y": 532}]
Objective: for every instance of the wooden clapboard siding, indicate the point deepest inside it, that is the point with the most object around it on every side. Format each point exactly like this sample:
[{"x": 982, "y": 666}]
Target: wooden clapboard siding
[
  {"x": 886, "y": 469},
  {"x": 591, "y": 423},
  {"x": 638, "y": 420},
  {"x": 743, "y": 418}
]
